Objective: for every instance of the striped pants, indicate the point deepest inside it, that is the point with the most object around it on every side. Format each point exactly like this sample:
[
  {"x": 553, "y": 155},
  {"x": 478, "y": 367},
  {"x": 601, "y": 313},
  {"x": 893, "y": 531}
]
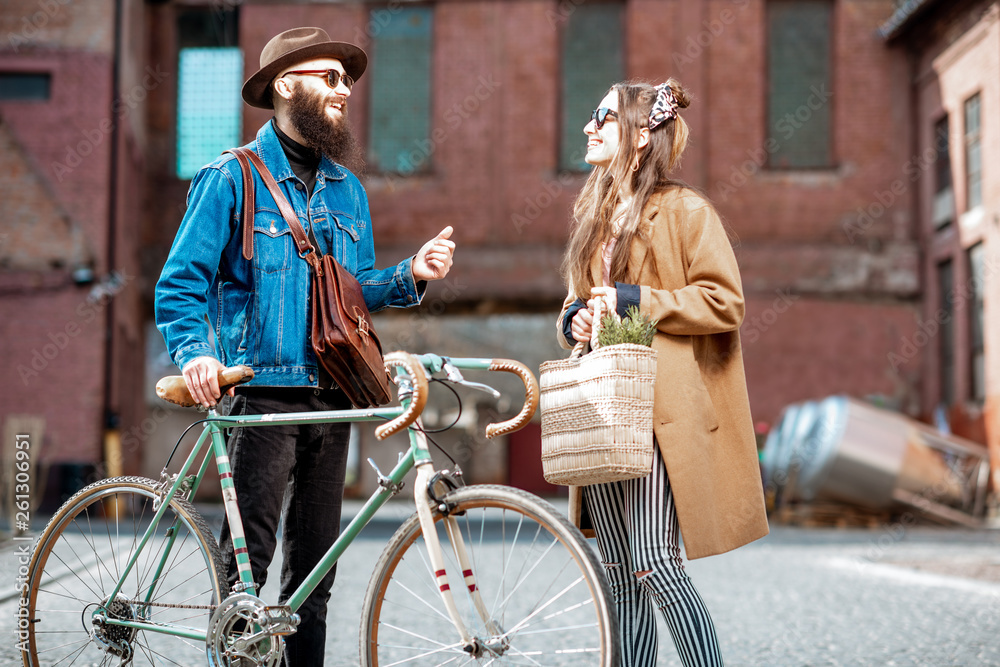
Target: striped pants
[{"x": 637, "y": 534}]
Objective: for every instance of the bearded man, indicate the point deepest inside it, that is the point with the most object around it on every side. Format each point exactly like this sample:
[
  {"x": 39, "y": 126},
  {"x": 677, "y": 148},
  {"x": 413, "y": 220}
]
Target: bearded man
[{"x": 258, "y": 309}]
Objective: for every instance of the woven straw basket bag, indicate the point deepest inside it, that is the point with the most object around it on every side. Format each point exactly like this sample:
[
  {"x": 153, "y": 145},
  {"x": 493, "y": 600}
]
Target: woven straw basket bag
[{"x": 597, "y": 414}]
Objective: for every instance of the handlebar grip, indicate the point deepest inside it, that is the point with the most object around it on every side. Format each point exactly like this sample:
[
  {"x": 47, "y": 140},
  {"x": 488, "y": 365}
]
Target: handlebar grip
[
  {"x": 417, "y": 402},
  {"x": 530, "y": 397},
  {"x": 174, "y": 390}
]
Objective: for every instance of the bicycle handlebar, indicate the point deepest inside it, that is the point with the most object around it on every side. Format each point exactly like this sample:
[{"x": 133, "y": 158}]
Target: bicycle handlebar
[
  {"x": 417, "y": 402},
  {"x": 530, "y": 397},
  {"x": 174, "y": 390}
]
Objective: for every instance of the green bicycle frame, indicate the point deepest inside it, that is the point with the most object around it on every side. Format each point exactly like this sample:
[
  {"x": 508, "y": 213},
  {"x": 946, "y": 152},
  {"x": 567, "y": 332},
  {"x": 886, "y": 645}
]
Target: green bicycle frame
[{"x": 213, "y": 432}]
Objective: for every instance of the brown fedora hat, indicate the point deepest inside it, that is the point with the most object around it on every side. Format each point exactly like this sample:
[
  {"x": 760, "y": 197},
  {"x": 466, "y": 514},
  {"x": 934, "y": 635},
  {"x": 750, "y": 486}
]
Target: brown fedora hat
[{"x": 295, "y": 46}]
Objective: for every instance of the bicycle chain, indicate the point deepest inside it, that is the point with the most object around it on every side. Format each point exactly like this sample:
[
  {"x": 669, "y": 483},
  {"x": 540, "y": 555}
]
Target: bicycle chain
[{"x": 210, "y": 607}]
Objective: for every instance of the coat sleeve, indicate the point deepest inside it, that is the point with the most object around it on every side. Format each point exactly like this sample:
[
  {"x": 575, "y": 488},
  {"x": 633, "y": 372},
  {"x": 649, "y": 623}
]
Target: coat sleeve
[
  {"x": 712, "y": 301},
  {"x": 181, "y": 296},
  {"x": 561, "y": 322}
]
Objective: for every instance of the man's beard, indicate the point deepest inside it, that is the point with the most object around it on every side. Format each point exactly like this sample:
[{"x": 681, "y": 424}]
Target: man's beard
[{"x": 331, "y": 137}]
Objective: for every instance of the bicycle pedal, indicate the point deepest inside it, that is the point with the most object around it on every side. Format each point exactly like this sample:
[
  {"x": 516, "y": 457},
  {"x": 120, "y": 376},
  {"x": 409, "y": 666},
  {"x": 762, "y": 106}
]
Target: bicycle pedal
[{"x": 281, "y": 620}]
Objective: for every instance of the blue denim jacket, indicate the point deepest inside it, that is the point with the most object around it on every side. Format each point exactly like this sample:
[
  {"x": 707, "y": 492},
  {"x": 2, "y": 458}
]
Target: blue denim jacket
[{"x": 258, "y": 310}]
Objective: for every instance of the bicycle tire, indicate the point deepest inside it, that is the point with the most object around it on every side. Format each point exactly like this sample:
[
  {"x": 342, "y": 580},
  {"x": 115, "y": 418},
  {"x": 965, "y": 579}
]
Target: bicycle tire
[
  {"x": 75, "y": 565},
  {"x": 539, "y": 578}
]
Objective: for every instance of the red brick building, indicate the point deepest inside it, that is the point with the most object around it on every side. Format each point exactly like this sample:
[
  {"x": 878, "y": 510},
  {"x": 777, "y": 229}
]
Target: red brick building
[
  {"x": 72, "y": 132},
  {"x": 494, "y": 97},
  {"x": 471, "y": 114},
  {"x": 953, "y": 53}
]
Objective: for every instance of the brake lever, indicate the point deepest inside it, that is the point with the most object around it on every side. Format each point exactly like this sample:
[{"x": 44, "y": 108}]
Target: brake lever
[{"x": 455, "y": 375}]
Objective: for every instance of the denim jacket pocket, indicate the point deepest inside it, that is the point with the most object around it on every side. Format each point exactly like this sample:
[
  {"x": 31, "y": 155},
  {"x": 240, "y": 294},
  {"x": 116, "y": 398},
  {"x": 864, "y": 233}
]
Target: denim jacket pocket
[
  {"x": 272, "y": 241},
  {"x": 347, "y": 237}
]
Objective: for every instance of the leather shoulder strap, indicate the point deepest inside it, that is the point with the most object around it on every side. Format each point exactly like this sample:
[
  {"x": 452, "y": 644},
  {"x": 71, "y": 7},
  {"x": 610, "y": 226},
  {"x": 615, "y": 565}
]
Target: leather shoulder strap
[
  {"x": 248, "y": 202},
  {"x": 305, "y": 248}
]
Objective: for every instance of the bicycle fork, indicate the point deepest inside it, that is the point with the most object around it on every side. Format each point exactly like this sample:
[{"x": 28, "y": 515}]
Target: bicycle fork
[{"x": 422, "y": 499}]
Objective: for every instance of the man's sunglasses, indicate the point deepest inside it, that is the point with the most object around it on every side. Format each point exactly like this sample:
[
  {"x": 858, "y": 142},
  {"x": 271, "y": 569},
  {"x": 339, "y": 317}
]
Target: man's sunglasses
[
  {"x": 333, "y": 76},
  {"x": 599, "y": 116}
]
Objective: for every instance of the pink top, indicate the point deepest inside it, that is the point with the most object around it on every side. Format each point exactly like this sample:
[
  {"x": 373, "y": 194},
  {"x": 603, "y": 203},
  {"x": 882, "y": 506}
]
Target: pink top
[{"x": 607, "y": 250}]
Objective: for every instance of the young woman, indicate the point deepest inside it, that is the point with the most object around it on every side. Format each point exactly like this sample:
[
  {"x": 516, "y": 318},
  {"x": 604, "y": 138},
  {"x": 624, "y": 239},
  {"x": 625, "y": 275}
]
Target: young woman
[{"x": 641, "y": 238}]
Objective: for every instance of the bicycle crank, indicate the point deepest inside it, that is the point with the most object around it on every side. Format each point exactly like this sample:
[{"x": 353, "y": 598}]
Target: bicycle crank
[{"x": 244, "y": 630}]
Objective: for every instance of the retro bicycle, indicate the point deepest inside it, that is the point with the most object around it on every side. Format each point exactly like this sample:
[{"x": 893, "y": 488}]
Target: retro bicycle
[{"x": 128, "y": 572}]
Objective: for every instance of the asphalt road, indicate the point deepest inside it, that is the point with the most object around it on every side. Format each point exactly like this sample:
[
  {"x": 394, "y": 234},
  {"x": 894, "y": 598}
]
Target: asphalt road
[{"x": 893, "y": 595}]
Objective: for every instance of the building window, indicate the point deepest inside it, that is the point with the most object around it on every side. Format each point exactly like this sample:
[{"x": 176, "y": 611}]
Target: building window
[
  {"x": 210, "y": 76},
  {"x": 977, "y": 357},
  {"x": 593, "y": 58},
  {"x": 25, "y": 87},
  {"x": 946, "y": 345},
  {"x": 973, "y": 153},
  {"x": 400, "y": 81},
  {"x": 944, "y": 197},
  {"x": 799, "y": 73}
]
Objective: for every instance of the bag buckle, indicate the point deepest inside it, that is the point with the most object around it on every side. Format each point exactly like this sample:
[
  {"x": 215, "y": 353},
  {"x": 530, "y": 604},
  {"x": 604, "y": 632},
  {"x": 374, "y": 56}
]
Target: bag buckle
[
  {"x": 309, "y": 255},
  {"x": 363, "y": 327}
]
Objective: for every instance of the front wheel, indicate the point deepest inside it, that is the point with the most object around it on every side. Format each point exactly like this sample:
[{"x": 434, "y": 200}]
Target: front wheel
[
  {"x": 81, "y": 556},
  {"x": 545, "y": 594}
]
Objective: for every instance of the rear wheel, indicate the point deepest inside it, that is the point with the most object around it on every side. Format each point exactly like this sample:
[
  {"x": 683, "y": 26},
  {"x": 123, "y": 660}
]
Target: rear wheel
[
  {"x": 542, "y": 585},
  {"x": 79, "y": 558}
]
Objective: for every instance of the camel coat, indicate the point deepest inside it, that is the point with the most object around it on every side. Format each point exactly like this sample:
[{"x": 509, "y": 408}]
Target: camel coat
[{"x": 690, "y": 282}]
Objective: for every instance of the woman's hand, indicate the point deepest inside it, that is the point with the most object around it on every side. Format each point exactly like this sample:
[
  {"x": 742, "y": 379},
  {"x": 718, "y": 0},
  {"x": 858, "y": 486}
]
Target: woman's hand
[
  {"x": 610, "y": 295},
  {"x": 582, "y": 325}
]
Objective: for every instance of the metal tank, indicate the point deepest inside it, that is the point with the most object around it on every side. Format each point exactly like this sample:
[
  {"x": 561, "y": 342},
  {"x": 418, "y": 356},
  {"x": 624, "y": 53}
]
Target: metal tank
[{"x": 846, "y": 450}]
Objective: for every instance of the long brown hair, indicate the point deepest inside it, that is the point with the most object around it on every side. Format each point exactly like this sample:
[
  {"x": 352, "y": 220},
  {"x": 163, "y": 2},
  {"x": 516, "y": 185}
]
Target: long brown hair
[{"x": 595, "y": 205}]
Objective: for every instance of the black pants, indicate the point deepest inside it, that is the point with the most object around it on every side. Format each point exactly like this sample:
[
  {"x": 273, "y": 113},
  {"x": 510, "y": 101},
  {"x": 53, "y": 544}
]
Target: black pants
[{"x": 294, "y": 473}]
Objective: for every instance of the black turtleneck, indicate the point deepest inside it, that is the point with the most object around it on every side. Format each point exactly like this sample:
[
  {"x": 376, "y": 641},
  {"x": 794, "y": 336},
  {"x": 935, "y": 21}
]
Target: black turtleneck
[{"x": 303, "y": 159}]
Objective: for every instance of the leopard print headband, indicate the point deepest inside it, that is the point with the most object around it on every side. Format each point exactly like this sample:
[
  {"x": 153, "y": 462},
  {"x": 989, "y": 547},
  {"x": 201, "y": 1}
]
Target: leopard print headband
[{"x": 664, "y": 108}]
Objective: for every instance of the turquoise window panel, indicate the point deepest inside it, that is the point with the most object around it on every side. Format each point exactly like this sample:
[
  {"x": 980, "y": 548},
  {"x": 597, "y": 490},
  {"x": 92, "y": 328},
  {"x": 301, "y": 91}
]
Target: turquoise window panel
[
  {"x": 209, "y": 105},
  {"x": 800, "y": 99},
  {"x": 400, "y": 83},
  {"x": 25, "y": 87},
  {"x": 593, "y": 58}
]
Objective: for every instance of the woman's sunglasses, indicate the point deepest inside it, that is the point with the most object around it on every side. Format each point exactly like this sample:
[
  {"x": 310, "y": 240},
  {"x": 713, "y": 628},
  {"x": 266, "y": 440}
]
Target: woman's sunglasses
[
  {"x": 599, "y": 116},
  {"x": 333, "y": 76}
]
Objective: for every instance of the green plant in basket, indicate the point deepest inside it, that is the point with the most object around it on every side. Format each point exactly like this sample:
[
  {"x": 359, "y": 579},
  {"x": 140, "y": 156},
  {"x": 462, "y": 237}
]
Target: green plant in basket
[{"x": 634, "y": 328}]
